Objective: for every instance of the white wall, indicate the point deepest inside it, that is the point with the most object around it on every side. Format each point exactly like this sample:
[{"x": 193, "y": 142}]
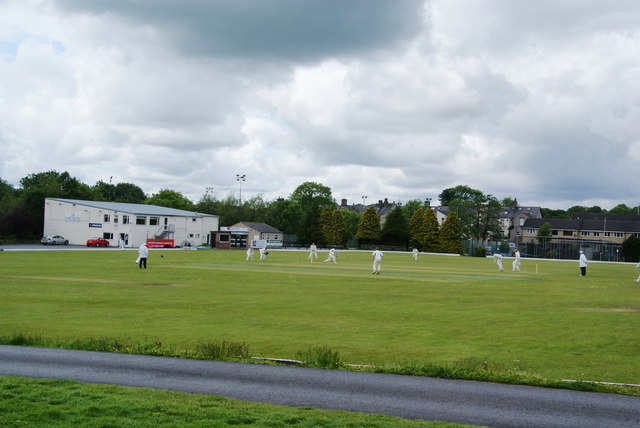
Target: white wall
[{"x": 73, "y": 222}]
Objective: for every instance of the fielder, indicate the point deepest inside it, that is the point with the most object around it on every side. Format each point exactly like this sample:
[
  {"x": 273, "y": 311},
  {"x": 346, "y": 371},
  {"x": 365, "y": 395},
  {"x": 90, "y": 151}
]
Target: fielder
[
  {"x": 415, "y": 254},
  {"x": 313, "y": 252},
  {"x": 515, "y": 266},
  {"x": 263, "y": 254},
  {"x": 332, "y": 256},
  {"x": 497, "y": 259},
  {"x": 249, "y": 254},
  {"x": 377, "y": 261}
]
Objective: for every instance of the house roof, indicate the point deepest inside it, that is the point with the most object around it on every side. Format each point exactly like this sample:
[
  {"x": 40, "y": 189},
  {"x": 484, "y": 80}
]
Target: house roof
[
  {"x": 513, "y": 212},
  {"x": 259, "y": 227},
  {"x": 608, "y": 216},
  {"x": 136, "y": 209},
  {"x": 579, "y": 224}
]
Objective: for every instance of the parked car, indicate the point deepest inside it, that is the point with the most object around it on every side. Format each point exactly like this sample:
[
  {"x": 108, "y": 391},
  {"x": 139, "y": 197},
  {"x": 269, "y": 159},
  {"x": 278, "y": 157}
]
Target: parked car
[
  {"x": 97, "y": 242},
  {"x": 54, "y": 240}
]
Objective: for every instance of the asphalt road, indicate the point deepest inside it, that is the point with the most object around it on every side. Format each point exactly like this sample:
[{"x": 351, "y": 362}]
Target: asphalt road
[{"x": 476, "y": 403}]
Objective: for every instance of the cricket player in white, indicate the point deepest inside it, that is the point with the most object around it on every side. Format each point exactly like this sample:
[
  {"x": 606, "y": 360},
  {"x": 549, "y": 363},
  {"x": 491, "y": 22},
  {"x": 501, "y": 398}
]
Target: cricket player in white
[
  {"x": 415, "y": 254},
  {"x": 377, "y": 260},
  {"x": 516, "y": 262},
  {"x": 332, "y": 256},
  {"x": 313, "y": 252},
  {"x": 263, "y": 254},
  {"x": 249, "y": 254},
  {"x": 638, "y": 266},
  {"x": 497, "y": 259}
]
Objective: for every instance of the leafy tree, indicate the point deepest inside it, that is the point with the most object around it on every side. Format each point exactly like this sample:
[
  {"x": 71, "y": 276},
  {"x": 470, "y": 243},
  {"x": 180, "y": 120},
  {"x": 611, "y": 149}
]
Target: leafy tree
[
  {"x": 56, "y": 185},
  {"x": 207, "y": 204},
  {"x": 129, "y": 193},
  {"x": 40, "y": 180},
  {"x": 410, "y": 207},
  {"x": 478, "y": 213},
  {"x": 171, "y": 199},
  {"x": 369, "y": 227},
  {"x": 432, "y": 231},
  {"x": 36, "y": 187},
  {"x": 631, "y": 249},
  {"x": 255, "y": 209},
  {"x": 311, "y": 198},
  {"x": 227, "y": 210},
  {"x": 103, "y": 191},
  {"x": 451, "y": 235},
  {"x": 284, "y": 215},
  {"x": 351, "y": 220},
  {"x": 577, "y": 209},
  {"x": 310, "y": 230},
  {"x": 549, "y": 213},
  {"x": 8, "y": 197},
  {"x": 19, "y": 223},
  {"x": 464, "y": 193},
  {"x": 394, "y": 231},
  {"x": 6, "y": 190},
  {"x": 622, "y": 209},
  {"x": 488, "y": 216},
  {"x": 544, "y": 230},
  {"x": 509, "y": 202}
]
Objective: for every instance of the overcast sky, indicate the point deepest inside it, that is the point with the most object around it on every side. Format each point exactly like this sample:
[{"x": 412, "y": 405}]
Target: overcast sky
[{"x": 394, "y": 99}]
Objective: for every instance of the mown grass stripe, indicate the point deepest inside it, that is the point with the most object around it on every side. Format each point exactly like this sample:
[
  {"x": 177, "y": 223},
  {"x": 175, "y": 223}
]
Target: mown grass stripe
[{"x": 270, "y": 267}]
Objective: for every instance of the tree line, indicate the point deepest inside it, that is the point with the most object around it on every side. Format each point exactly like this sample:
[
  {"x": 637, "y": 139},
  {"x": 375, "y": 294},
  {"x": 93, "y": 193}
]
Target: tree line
[{"x": 309, "y": 214}]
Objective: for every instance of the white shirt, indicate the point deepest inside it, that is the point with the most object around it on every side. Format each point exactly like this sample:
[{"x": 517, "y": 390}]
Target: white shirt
[
  {"x": 583, "y": 260},
  {"x": 143, "y": 251},
  {"x": 377, "y": 255}
]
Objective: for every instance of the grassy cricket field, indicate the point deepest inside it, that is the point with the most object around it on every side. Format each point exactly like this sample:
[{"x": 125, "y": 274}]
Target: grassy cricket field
[{"x": 545, "y": 320}]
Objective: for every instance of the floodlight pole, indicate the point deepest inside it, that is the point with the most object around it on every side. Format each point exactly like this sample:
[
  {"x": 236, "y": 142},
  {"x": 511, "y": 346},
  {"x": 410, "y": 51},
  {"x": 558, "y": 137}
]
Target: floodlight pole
[{"x": 240, "y": 178}]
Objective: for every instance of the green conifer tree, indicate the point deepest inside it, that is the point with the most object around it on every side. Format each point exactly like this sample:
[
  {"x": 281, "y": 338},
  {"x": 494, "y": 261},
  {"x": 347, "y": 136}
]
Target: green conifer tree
[
  {"x": 418, "y": 228},
  {"x": 339, "y": 228},
  {"x": 432, "y": 231},
  {"x": 369, "y": 227},
  {"x": 451, "y": 235}
]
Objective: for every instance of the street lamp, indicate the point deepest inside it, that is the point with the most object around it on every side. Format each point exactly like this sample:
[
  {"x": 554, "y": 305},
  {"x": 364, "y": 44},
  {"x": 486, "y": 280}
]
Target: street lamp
[{"x": 427, "y": 202}]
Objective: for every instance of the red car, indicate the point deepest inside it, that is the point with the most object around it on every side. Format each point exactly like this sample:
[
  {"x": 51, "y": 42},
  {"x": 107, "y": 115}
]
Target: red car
[{"x": 97, "y": 242}]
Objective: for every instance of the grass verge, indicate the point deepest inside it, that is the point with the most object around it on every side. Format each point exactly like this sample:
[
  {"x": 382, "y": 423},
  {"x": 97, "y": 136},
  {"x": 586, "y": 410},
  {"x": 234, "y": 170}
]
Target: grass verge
[
  {"x": 478, "y": 369},
  {"x": 61, "y": 403}
]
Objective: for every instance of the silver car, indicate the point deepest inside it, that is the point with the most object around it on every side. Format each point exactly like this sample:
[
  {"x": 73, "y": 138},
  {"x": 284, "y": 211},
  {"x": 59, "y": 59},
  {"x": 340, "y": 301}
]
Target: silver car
[{"x": 54, "y": 240}]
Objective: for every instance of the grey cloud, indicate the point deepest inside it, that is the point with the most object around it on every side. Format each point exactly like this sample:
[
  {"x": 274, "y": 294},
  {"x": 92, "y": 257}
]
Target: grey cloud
[{"x": 280, "y": 29}]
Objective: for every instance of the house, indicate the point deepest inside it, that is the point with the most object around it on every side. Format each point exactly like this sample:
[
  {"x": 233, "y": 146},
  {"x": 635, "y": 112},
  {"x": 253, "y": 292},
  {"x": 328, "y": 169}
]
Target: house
[
  {"x": 513, "y": 219},
  {"x": 79, "y": 220},
  {"x": 587, "y": 227},
  {"x": 245, "y": 234}
]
